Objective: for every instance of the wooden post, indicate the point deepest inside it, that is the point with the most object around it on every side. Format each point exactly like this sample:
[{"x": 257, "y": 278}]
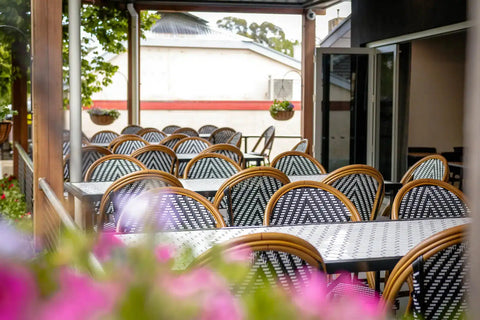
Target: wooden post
[
  {"x": 47, "y": 113},
  {"x": 308, "y": 74},
  {"x": 20, "y": 62}
]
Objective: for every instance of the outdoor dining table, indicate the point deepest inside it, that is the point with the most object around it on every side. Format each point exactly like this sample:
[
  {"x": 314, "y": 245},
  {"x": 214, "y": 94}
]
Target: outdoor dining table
[{"x": 349, "y": 246}]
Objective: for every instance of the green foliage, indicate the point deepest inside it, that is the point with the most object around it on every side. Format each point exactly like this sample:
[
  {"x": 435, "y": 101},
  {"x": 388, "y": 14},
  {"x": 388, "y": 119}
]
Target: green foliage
[
  {"x": 104, "y": 112},
  {"x": 5, "y": 111},
  {"x": 12, "y": 202},
  {"x": 278, "y": 105},
  {"x": 265, "y": 33}
]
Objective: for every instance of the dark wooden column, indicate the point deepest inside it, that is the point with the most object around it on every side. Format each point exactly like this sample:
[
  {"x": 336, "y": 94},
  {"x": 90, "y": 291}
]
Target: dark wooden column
[
  {"x": 308, "y": 73},
  {"x": 47, "y": 112},
  {"x": 20, "y": 62}
]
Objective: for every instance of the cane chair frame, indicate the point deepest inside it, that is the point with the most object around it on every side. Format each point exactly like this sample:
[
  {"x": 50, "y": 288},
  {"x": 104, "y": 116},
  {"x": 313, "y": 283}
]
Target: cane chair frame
[
  {"x": 403, "y": 270},
  {"x": 121, "y": 138},
  {"x": 145, "y": 131},
  {"x": 301, "y": 143},
  {"x": 245, "y": 175},
  {"x": 409, "y": 175},
  {"x": 219, "y": 222},
  {"x": 267, "y": 147},
  {"x": 354, "y": 215},
  {"x": 361, "y": 169},
  {"x": 234, "y": 136},
  {"x": 103, "y": 132},
  {"x": 112, "y": 157},
  {"x": 125, "y": 139},
  {"x": 131, "y": 126},
  {"x": 170, "y": 128},
  {"x": 213, "y": 135},
  {"x": 131, "y": 178},
  {"x": 187, "y": 130},
  {"x": 201, "y": 156},
  {"x": 286, "y": 154},
  {"x": 215, "y": 148},
  {"x": 423, "y": 182},
  {"x": 87, "y": 148},
  {"x": 158, "y": 148},
  {"x": 207, "y": 129},
  {"x": 184, "y": 140},
  {"x": 173, "y": 136}
]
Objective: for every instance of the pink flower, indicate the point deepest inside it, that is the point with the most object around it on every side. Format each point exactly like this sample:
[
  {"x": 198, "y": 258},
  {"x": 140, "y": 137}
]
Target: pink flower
[
  {"x": 164, "y": 253},
  {"x": 221, "y": 305},
  {"x": 106, "y": 243},
  {"x": 193, "y": 282},
  {"x": 79, "y": 297},
  {"x": 312, "y": 299},
  {"x": 3, "y": 196},
  {"x": 238, "y": 255},
  {"x": 18, "y": 293}
]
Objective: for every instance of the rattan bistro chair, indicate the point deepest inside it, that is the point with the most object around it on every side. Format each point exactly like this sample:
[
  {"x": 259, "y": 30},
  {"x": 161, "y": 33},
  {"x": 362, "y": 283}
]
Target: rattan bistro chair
[
  {"x": 211, "y": 166},
  {"x": 126, "y": 187},
  {"x": 121, "y": 138},
  {"x": 112, "y": 167},
  {"x": 188, "y": 131},
  {"x": 438, "y": 270},
  {"x": 131, "y": 129},
  {"x": 245, "y": 195},
  {"x": 152, "y": 135},
  {"x": 191, "y": 145},
  {"x": 429, "y": 198},
  {"x": 172, "y": 140},
  {"x": 168, "y": 208},
  {"x": 156, "y": 157},
  {"x": 264, "y": 150},
  {"x": 434, "y": 166},
  {"x": 89, "y": 155},
  {"x": 228, "y": 150},
  {"x": 362, "y": 184},
  {"x": 302, "y": 146},
  {"x": 236, "y": 139},
  {"x": 221, "y": 135},
  {"x": 170, "y": 129},
  {"x": 308, "y": 202},
  {"x": 276, "y": 259},
  {"x": 127, "y": 145},
  {"x": 296, "y": 163},
  {"x": 207, "y": 129},
  {"x": 104, "y": 136}
]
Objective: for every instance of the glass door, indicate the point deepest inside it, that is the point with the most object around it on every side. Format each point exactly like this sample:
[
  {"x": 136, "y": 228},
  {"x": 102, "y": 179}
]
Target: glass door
[{"x": 343, "y": 106}]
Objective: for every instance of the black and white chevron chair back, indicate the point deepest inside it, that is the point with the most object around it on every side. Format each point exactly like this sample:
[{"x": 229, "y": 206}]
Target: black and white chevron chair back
[
  {"x": 361, "y": 189},
  {"x": 172, "y": 140},
  {"x": 88, "y": 157},
  {"x": 206, "y": 129},
  {"x": 236, "y": 139},
  {"x": 153, "y": 136},
  {"x": 170, "y": 129},
  {"x": 246, "y": 200},
  {"x": 308, "y": 205},
  {"x": 104, "y": 137},
  {"x": 430, "y": 169},
  {"x": 440, "y": 284},
  {"x": 297, "y": 165},
  {"x": 191, "y": 146},
  {"x": 157, "y": 160},
  {"x": 221, "y": 135},
  {"x": 211, "y": 168},
  {"x": 430, "y": 201},
  {"x": 187, "y": 131},
  {"x": 111, "y": 170},
  {"x": 165, "y": 209},
  {"x": 131, "y": 129},
  {"x": 128, "y": 146}
]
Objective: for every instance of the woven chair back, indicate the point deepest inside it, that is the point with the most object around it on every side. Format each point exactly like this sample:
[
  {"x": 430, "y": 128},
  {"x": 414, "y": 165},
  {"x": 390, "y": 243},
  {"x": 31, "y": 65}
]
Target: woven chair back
[
  {"x": 228, "y": 150},
  {"x": 157, "y": 157},
  {"x": 112, "y": 167},
  {"x": 429, "y": 198},
  {"x": 131, "y": 129},
  {"x": 168, "y": 208},
  {"x": 127, "y": 145},
  {"x": 221, "y": 135},
  {"x": 296, "y": 163},
  {"x": 236, "y": 139},
  {"x": 211, "y": 166},
  {"x": 188, "y": 131},
  {"x": 104, "y": 136},
  {"x": 206, "y": 129},
  {"x": 363, "y": 185},
  {"x": 152, "y": 135},
  {"x": 170, "y": 129},
  {"x": 89, "y": 155},
  {"x": 302, "y": 146},
  {"x": 431, "y": 167},
  {"x": 245, "y": 195},
  {"x": 309, "y": 202},
  {"x": 172, "y": 140}
]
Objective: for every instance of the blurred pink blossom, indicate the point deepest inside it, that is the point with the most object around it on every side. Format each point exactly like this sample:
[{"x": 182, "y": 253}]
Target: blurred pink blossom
[
  {"x": 164, "y": 252},
  {"x": 106, "y": 243},
  {"x": 222, "y": 305},
  {"x": 18, "y": 293},
  {"x": 197, "y": 280}
]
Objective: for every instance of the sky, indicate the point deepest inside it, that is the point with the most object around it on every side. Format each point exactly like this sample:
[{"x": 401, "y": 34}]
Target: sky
[{"x": 291, "y": 24}]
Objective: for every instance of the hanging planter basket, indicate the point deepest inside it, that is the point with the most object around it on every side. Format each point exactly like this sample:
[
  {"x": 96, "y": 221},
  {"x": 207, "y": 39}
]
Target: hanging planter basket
[
  {"x": 5, "y": 127},
  {"x": 283, "y": 115},
  {"x": 102, "y": 120}
]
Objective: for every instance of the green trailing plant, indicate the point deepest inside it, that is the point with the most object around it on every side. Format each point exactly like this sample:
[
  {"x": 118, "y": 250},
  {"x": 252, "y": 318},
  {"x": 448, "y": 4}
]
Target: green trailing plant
[
  {"x": 12, "y": 203},
  {"x": 5, "y": 111},
  {"x": 278, "y": 105},
  {"x": 104, "y": 112}
]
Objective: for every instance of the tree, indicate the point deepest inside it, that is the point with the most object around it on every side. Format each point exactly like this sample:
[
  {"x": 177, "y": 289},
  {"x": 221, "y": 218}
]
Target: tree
[
  {"x": 103, "y": 31},
  {"x": 265, "y": 33}
]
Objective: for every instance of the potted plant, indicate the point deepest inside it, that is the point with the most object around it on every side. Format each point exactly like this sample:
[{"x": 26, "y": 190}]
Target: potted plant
[
  {"x": 5, "y": 125},
  {"x": 103, "y": 116},
  {"x": 281, "y": 110}
]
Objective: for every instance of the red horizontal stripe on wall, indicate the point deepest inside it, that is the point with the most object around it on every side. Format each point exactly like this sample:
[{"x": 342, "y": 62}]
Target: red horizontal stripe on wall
[{"x": 191, "y": 105}]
